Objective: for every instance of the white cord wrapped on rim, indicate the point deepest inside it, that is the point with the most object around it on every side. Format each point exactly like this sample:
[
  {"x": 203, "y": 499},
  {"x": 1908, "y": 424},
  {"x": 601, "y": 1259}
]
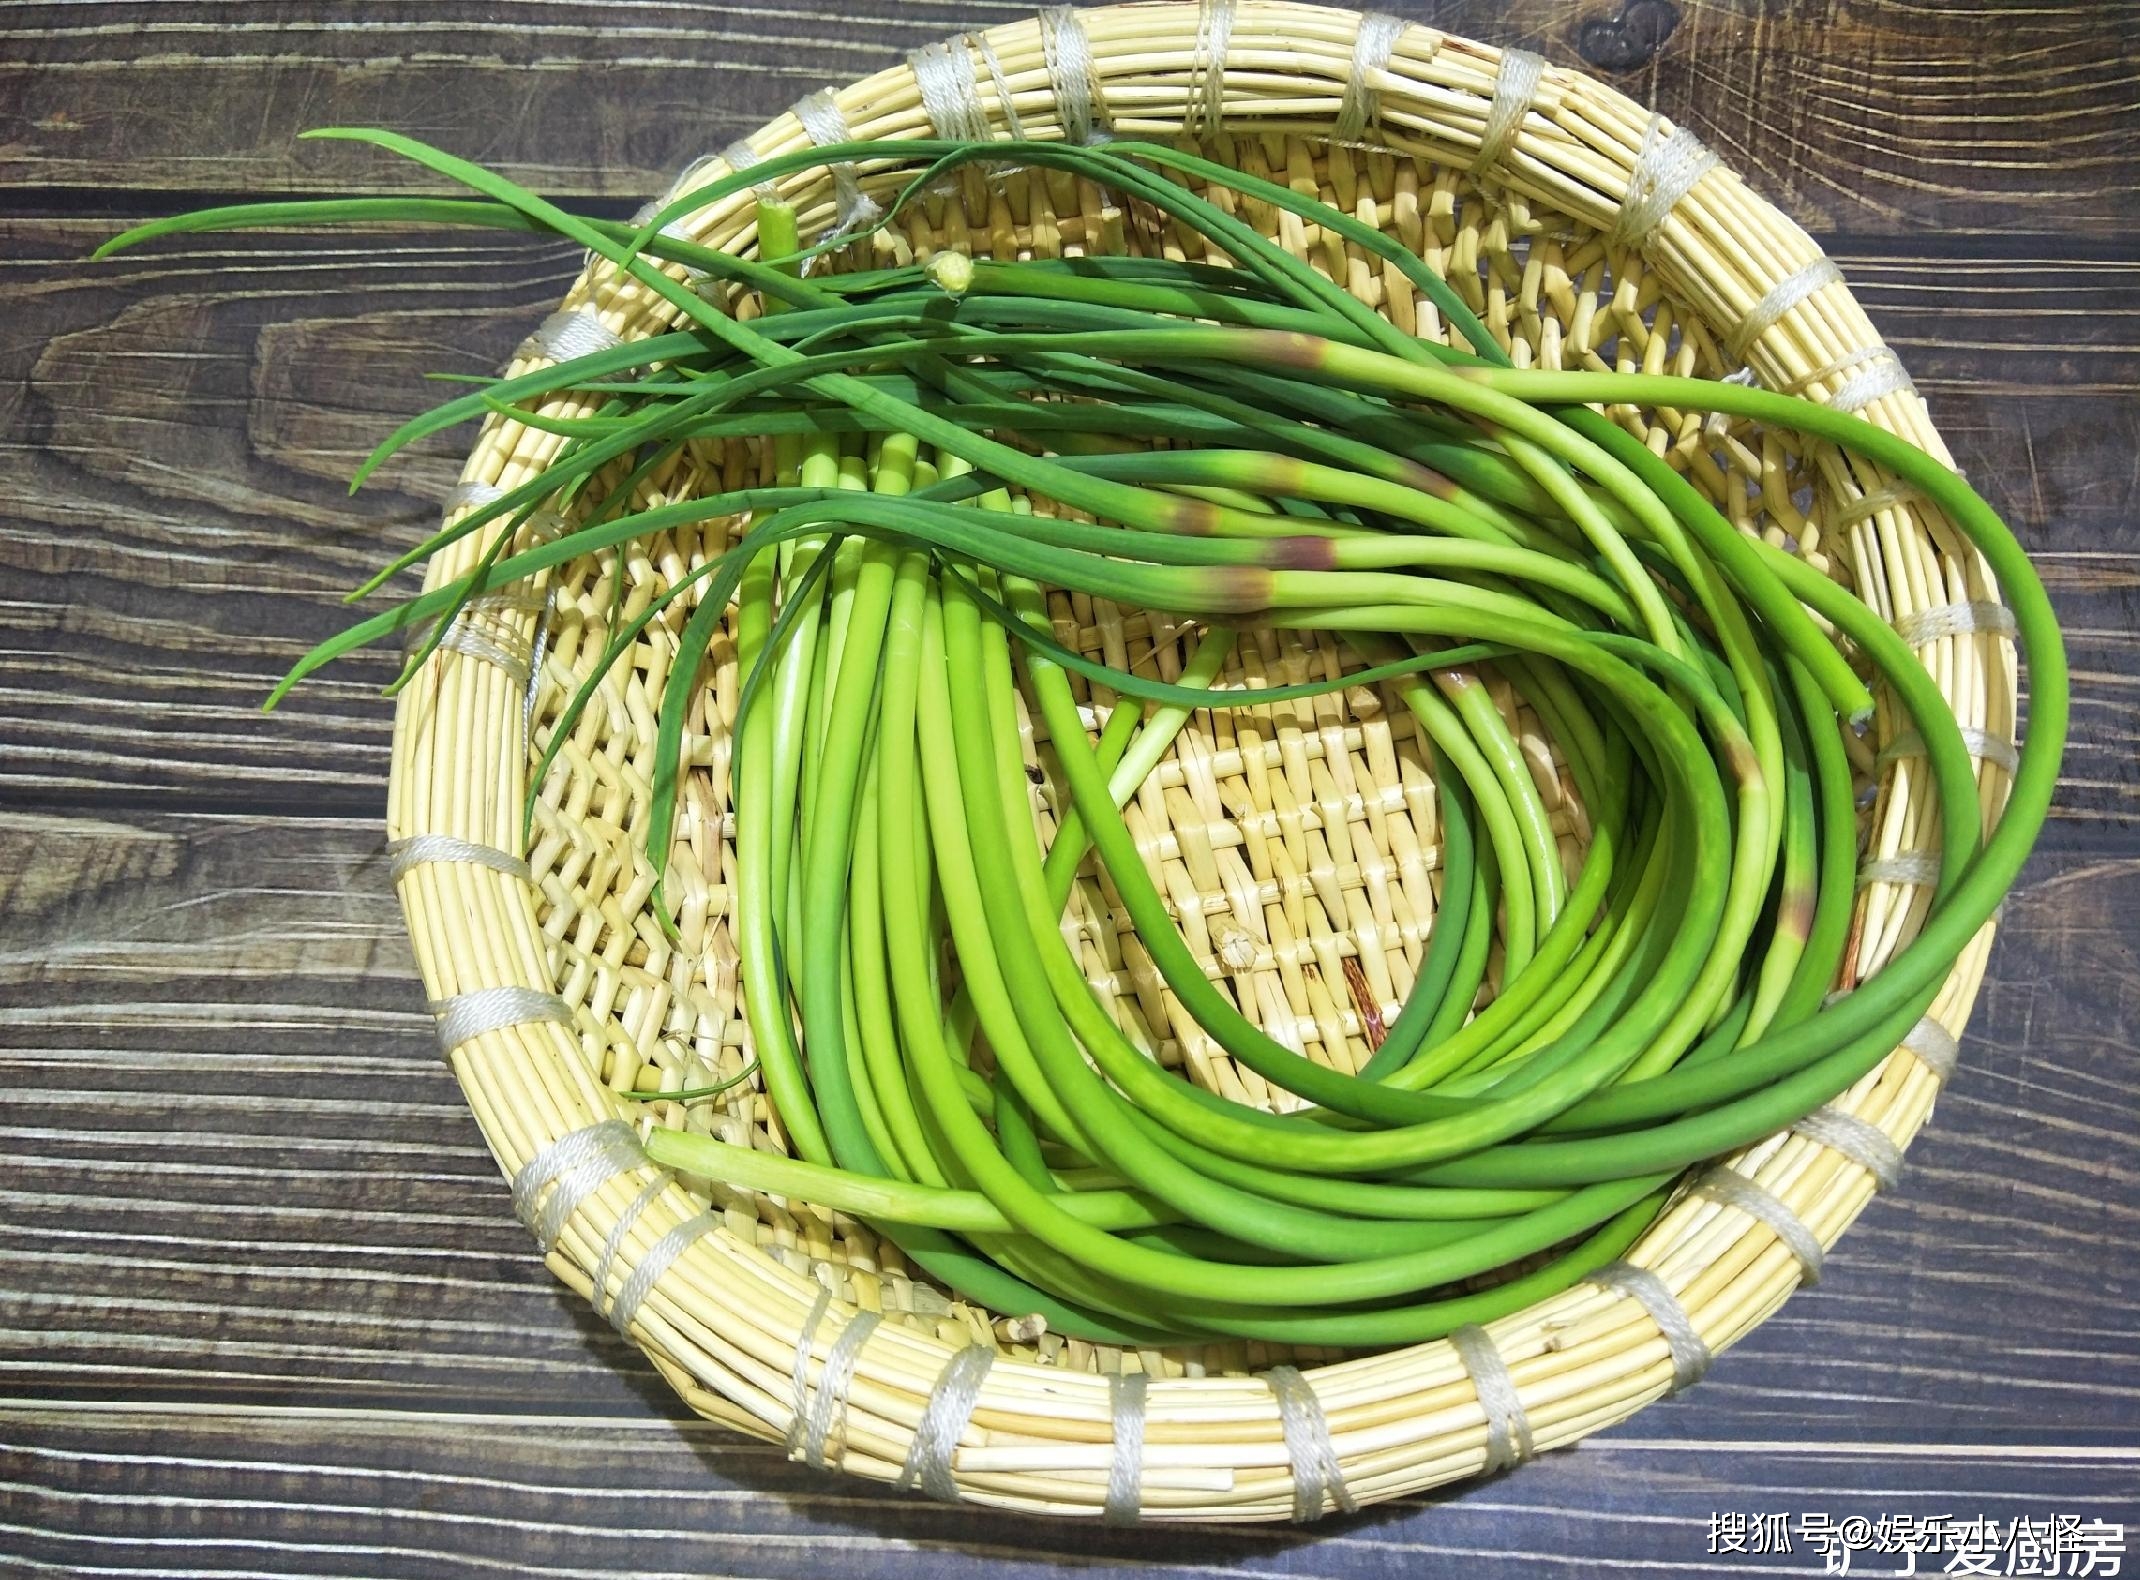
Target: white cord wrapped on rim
[
  {"x": 1690, "y": 1352},
  {"x": 1717, "y": 423},
  {"x": 535, "y": 658},
  {"x": 739, "y": 156},
  {"x": 1515, "y": 87},
  {"x": 1935, "y": 1048},
  {"x": 853, "y": 209},
  {"x": 1006, "y": 106},
  {"x": 1859, "y": 1140},
  {"x": 799, "y": 1377},
  {"x": 571, "y": 332},
  {"x": 657, "y": 1261},
  {"x": 1885, "y": 376},
  {"x": 828, "y": 1406},
  {"x": 1779, "y": 299},
  {"x": 517, "y": 659},
  {"x": 1982, "y": 745},
  {"x": 674, "y": 230},
  {"x": 950, "y": 92},
  {"x": 419, "y": 850},
  {"x": 1318, "y": 1476},
  {"x": 1205, "y": 109},
  {"x": 1871, "y": 503},
  {"x": 1927, "y": 626},
  {"x": 486, "y": 642},
  {"x": 1666, "y": 168},
  {"x": 603, "y": 1305},
  {"x": 1372, "y": 47},
  {"x": 1912, "y": 868},
  {"x": 572, "y": 1168},
  {"x": 943, "y": 1418},
  {"x": 1074, "y": 77},
  {"x": 471, "y": 496},
  {"x": 469, "y": 1015},
  {"x": 1508, "y": 1427},
  {"x": 1727, "y": 1185},
  {"x": 1126, "y": 1393}
]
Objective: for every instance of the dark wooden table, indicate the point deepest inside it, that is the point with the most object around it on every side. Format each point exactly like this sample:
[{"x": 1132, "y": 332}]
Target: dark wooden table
[{"x": 263, "y": 1308}]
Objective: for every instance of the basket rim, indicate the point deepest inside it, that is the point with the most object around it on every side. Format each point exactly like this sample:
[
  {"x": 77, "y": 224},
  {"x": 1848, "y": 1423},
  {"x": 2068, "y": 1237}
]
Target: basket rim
[{"x": 1384, "y": 1423}]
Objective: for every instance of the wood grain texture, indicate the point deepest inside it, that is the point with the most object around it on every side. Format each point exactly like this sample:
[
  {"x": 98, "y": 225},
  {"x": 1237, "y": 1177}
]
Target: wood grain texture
[
  {"x": 263, "y": 1308},
  {"x": 1884, "y": 115},
  {"x": 344, "y": 1493}
]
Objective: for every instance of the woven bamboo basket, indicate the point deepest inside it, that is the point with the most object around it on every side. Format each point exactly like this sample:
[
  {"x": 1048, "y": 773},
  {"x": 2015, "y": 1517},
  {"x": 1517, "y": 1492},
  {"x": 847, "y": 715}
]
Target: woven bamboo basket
[{"x": 1298, "y": 844}]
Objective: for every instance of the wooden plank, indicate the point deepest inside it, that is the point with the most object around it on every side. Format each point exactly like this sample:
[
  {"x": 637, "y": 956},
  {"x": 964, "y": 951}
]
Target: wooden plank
[
  {"x": 263, "y": 1308},
  {"x": 1890, "y": 115},
  {"x": 177, "y": 426},
  {"x": 312, "y": 1493},
  {"x": 239, "y": 1171},
  {"x": 179, "y": 433}
]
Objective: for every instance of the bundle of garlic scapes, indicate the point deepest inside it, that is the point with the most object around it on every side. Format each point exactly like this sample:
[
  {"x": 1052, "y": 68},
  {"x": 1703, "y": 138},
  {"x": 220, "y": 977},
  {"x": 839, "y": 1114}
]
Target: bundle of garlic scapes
[{"x": 1234, "y": 447}]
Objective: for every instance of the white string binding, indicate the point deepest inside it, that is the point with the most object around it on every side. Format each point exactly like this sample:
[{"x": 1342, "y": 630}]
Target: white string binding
[
  {"x": 1508, "y": 1427},
  {"x": 1917, "y": 869},
  {"x": 1125, "y": 1471},
  {"x": 1205, "y": 109},
  {"x": 517, "y": 599},
  {"x": 656, "y": 1262},
  {"x": 1727, "y": 1185},
  {"x": 1955, "y": 619},
  {"x": 950, "y": 92},
  {"x": 1665, "y": 171},
  {"x": 535, "y": 658},
  {"x": 471, "y": 496},
  {"x": 469, "y": 1015},
  {"x": 576, "y": 1164},
  {"x": 1982, "y": 745},
  {"x": 569, "y": 333},
  {"x": 1935, "y": 1048},
  {"x": 1717, "y": 423},
  {"x": 517, "y": 659},
  {"x": 739, "y": 156},
  {"x": 830, "y": 1404},
  {"x": 611, "y": 1246},
  {"x": 1371, "y": 49},
  {"x": 1871, "y": 503},
  {"x": 1691, "y": 1354},
  {"x": 853, "y": 209},
  {"x": 486, "y": 643},
  {"x": 675, "y": 230},
  {"x": 950, "y": 1407},
  {"x": 1781, "y": 297},
  {"x": 1317, "y": 1474},
  {"x": 1864, "y": 1143},
  {"x": 799, "y": 1378},
  {"x": 1001, "y": 82},
  {"x": 542, "y": 526},
  {"x": 1841, "y": 365},
  {"x": 1074, "y": 77},
  {"x": 405, "y": 855},
  {"x": 1885, "y": 376},
  {"x": 1515, "y": 88}
]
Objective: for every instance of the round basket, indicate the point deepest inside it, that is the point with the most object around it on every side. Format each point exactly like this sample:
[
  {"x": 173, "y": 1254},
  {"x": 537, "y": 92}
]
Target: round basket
[{"x": 1297, "y": 843}]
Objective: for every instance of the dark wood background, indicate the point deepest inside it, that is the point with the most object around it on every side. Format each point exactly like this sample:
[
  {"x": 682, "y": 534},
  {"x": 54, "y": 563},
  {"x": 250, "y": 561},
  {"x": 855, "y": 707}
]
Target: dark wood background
[{"x": 263, "y": 1309}]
